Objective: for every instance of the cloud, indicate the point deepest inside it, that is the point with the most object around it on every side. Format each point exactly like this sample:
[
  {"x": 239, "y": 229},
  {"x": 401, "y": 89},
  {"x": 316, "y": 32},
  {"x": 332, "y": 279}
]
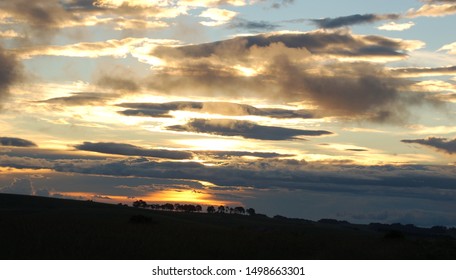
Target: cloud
[
  {"x": 393, "y": 26},
  {"x": 244, "y": 129},
  {"x": 131, "y": 150},
  {"x": 162, "y": 110},
  {"x": 230, "y": 154},
  {"x": 217, "y": 16},
  {"x": 450, "y": 48},
  {"x": 81, "y": 5},
  {"x": 424, "y": 71},
  {"x": 80, "y": 99},
  {"x": 212, "y": 3},
  {"x": 40, "y": 15},
  {"x": 282, "y": 3},
  {"x": 10, "y": 34},
  {"x": 240, "y": 23},
  {"x": 114, "y": 48},
  {"x": 42, "y": 19},
  {"x": 19, "y": 186},
  {"x": 329, "y": 23},
  {"x": 440, "y": 144},
  {"x": 432, "y": 183},
  {"x": 326, "y": 43},
  {"x": 433, "y": 10},
  {"x": 330, "y": 70},
  {"x": 118, "y": 83},
  {"x": 16, "y": 142},
  {"x": 10, "y": 73}
]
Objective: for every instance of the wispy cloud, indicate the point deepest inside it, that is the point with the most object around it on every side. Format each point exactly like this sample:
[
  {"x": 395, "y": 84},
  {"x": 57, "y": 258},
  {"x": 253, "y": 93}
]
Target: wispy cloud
[
  {"x": 338, "y": 22},
  {"x": 424, "y": 71},
  {"x": 80, "y": 99},
  {"x": 113, "y": 48},
  {"x": 240, "y": 23},
  {"x": 282, "y": 3},
  {"x": 393, "y": 26}
]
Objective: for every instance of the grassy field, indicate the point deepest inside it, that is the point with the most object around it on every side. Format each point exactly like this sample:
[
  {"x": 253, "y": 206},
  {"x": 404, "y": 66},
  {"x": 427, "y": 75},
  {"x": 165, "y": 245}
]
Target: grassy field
[{"x": 46, "y": 228}]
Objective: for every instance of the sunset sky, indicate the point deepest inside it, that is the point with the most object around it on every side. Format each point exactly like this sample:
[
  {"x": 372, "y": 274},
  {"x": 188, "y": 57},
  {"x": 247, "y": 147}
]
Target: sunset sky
[{"x": 308, "y": 109}]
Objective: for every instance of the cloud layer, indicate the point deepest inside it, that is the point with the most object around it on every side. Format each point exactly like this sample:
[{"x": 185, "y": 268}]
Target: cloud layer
[
  {"x": 132, "y": 150},
  {"x": 162, "y": 110},
  {"x": 244, "y": 129},
  {"x": 312, "y": 67}
]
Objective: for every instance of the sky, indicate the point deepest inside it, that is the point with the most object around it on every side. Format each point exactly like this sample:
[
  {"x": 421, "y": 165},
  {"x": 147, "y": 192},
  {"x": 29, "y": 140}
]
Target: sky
[{"x": 305, "y": 109}]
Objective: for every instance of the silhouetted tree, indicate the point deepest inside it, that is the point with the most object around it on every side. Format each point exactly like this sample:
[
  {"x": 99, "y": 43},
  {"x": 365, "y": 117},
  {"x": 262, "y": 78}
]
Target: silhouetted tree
[
  {"x": 198, "y": 208},
  {"x": 140, "y": 203},
  {"x": 221, "y": 209},
  {"x": 167, "y": 206},
  {"x": 239, "y": 210},
  {"x": 210, "y": 209},
  {"x": 154, "y": 206},
  {"x": 251, "y": 211}
]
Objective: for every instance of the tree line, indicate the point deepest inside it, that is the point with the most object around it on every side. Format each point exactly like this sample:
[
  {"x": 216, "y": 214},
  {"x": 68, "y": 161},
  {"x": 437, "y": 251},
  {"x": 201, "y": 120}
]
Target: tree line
[{"x": 194, "y": 208}]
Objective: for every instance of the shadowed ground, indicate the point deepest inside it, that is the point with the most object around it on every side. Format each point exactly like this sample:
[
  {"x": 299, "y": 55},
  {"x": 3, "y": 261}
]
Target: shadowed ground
[{"x": 46, "y": 228}]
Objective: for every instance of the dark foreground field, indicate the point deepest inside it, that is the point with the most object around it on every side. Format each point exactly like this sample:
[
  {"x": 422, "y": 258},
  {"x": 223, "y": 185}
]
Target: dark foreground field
[{"x": 45, "y": 228}]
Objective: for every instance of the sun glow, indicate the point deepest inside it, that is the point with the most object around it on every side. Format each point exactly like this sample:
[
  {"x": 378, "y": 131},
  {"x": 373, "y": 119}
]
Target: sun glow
[{"x": 185, "y": 196}]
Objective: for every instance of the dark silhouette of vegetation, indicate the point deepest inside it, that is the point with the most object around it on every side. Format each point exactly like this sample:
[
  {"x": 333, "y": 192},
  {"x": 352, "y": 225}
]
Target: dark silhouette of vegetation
[
  {"x": 189, "y": 208},
  {"x": 210, "y": 209},
  {"x": 140, "y": 204},
  {"x": 69, "y": 229},
  {"x": 239, "y": 210}
]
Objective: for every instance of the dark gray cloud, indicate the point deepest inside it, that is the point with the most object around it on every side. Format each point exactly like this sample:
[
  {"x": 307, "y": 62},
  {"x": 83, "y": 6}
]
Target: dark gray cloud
[
  {"x": 440, "y": 144},
  {"x": 244, "y": 129},
  {"x": 334, "y": 43},
  {"x": 16, "y": 142},
  {"x": 232, "y": 154},
  {"x": 357, "y": 150},
  {"x": 132, "y": 150},
  {"x": 330, "y": 23},
  {"x": 80, "y": 98},
  {"x": 161, "y": 110},
  {"x": 240, "y": 23},
  {"x": 81, "y": 5},
  {"x": 10, "y": 73},
  {"x": 282, "y": 3}
]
